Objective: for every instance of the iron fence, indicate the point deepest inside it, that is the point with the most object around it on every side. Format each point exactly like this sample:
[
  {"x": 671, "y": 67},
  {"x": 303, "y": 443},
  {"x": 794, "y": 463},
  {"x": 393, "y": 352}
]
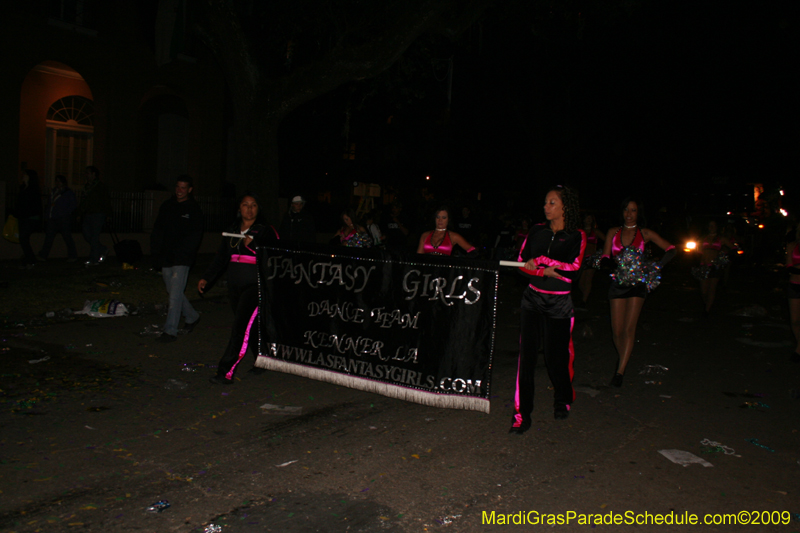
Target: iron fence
[{"x": 136, "y": 212}]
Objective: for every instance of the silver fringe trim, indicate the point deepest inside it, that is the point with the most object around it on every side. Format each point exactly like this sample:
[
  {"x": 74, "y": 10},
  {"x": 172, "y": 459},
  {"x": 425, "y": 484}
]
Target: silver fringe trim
[{"x": 398, "y": 392}]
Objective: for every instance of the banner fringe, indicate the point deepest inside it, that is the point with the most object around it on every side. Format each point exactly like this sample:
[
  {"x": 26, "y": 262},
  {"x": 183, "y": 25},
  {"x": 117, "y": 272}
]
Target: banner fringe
[{"x": 397, "y": 392}]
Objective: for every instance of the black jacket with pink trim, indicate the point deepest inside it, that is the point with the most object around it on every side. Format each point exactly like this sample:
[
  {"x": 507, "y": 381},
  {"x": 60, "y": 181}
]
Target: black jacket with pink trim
[
  {"x": 561, "y": 249},
  {"x": 230, "y": 246}
]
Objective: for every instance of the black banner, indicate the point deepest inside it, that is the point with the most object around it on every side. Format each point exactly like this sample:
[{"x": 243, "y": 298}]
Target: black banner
[{"x": 416, "y": 328}]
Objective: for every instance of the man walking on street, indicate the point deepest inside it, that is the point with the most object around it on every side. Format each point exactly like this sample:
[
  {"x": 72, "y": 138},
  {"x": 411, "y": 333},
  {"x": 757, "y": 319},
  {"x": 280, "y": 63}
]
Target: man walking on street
[{"x": 176, "y": 237}]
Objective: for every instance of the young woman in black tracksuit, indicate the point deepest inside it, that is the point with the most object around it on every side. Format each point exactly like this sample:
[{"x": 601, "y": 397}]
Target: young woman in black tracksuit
[
  {"x": 553, "y": 253},
  {"x": 239, "y": 256}
]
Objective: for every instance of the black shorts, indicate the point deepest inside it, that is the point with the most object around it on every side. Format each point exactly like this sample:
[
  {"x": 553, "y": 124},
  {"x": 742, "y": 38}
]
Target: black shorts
[{"x": 616, "y": 291}]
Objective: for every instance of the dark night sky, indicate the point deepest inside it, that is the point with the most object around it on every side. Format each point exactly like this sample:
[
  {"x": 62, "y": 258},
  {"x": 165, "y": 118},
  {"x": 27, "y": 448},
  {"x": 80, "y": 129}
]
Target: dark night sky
[{"x": 663, "y": 102}]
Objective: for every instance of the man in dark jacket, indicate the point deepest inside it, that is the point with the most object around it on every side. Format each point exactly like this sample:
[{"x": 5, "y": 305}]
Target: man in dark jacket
[
  {"x": 59, "y": 219},
  {"x": 176, "y": 237},
  {"x": 28, "y": 211},
  {"x": 297, "y": 224}
]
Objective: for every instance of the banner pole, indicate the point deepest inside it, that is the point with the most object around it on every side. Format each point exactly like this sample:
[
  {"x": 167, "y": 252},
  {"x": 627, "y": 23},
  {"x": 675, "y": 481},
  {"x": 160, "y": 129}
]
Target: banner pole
[{"x": 511, "y": 264}]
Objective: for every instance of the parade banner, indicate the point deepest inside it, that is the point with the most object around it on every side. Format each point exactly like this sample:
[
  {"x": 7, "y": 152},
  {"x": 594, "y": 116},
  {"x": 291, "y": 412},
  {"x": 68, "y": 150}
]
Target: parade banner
[{"x": 417, "y": 328}]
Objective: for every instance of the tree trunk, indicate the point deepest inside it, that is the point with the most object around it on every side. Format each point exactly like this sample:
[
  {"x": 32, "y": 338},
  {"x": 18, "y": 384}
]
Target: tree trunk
[{"x": 261, "y": 101}]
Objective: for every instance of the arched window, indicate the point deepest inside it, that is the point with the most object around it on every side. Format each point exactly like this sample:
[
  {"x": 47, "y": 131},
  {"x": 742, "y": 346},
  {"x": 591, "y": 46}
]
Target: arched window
[
  {"x": 72, "y": 110},
  {"x": 70, "y": 132}
]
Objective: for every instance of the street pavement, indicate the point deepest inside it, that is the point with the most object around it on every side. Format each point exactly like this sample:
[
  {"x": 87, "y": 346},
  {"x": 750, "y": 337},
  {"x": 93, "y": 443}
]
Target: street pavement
[{"x": 113, "y": 422}]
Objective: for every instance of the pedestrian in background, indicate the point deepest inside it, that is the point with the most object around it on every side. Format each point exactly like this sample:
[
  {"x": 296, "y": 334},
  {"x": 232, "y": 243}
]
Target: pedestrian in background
[
  {"x": 396, "y": 230},
  {"x": 176, "y": 236},
  {"x": 371, "y": 219},
  {"x": 59, "y": 219},
  {"x": 298, "y": 224},
  {"x": 28, "y": 210}
]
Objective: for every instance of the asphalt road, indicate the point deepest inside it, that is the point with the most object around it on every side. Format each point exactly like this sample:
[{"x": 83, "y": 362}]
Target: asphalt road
[{"x": 112, "y": 423}]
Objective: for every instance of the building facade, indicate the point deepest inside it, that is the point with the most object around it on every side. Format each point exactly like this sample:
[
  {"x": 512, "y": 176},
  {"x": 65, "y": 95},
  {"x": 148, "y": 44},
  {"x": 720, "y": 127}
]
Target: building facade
[{"x": 122, "y": 86}]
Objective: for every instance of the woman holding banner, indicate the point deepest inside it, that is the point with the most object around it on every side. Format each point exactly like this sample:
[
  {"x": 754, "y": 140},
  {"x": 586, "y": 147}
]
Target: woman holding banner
[
  {"x": 552, "y": 253},
  {"x": 238, "y": 254},
  {"x": 440, "y": 241}
]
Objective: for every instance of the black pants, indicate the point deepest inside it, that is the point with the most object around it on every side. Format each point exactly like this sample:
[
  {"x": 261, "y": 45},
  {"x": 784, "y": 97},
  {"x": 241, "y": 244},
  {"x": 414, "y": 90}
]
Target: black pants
[
  {"x": 55, "y": 226},
  {"x": 244, "y": 333},
  {"x": 555, "y": 335},
  {"x": 26, "y": 227}
]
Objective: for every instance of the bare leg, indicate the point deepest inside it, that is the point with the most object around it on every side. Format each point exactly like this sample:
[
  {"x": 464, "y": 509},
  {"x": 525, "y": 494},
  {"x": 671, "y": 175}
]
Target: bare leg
[
  {"x": 711, "y": 292},
  {"x": 624, "y": 317},
  {"x": 704, "y": 292}
]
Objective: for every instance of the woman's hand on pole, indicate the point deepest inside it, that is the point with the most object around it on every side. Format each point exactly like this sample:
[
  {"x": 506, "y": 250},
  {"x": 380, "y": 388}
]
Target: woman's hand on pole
[{"x": 551, "y": 272}]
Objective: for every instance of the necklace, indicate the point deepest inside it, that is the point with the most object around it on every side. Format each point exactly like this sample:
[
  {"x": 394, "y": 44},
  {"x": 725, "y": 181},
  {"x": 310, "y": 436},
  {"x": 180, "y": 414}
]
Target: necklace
[
  {"x": 436, "y": 246},
  {"x": 631, "y": 227},
  {"x": 235, "y": 241},
  {"x": 442, "y": 229}
]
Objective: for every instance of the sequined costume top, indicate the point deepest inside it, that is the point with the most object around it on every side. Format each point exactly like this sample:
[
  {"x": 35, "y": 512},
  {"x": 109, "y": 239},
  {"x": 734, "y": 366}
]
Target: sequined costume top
[
  {"x": 344, "y": 238},
  {"x": 713, "y": 245},
  {"x": 617, "y": 246}
]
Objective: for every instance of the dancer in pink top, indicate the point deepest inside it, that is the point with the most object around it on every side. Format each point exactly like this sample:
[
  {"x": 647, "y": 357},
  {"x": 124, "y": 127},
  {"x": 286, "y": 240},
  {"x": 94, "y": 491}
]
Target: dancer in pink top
[
  {"x": 441, "y": 240},
  {"x": 627, "y": 302},
  {"x": 711, "y": 265}
]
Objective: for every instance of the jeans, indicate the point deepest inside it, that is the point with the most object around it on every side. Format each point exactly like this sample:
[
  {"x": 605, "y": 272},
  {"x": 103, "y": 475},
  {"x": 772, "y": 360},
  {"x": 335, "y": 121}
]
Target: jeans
[
  {"x": 55, "y": 226},
  {"x": 175, "y": 279},
  {"x": 92, "y": 226}
]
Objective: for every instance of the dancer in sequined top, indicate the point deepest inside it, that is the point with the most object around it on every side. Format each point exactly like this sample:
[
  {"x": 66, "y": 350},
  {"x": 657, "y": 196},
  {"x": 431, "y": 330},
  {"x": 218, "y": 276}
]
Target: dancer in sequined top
[
  {"x": 350, "y": 230},
  {"x": 441, "y": 240},
  {"x": 711, "y": 248},
  {"x": 627, "y": 302}
]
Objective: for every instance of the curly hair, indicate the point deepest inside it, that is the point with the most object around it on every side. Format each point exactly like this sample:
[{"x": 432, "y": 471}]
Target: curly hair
[{"x": 569, "y": 197}]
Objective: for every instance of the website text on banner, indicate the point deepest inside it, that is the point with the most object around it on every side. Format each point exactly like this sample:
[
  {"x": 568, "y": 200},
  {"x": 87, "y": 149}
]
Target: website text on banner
[{"x": 419, "y": 329}]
